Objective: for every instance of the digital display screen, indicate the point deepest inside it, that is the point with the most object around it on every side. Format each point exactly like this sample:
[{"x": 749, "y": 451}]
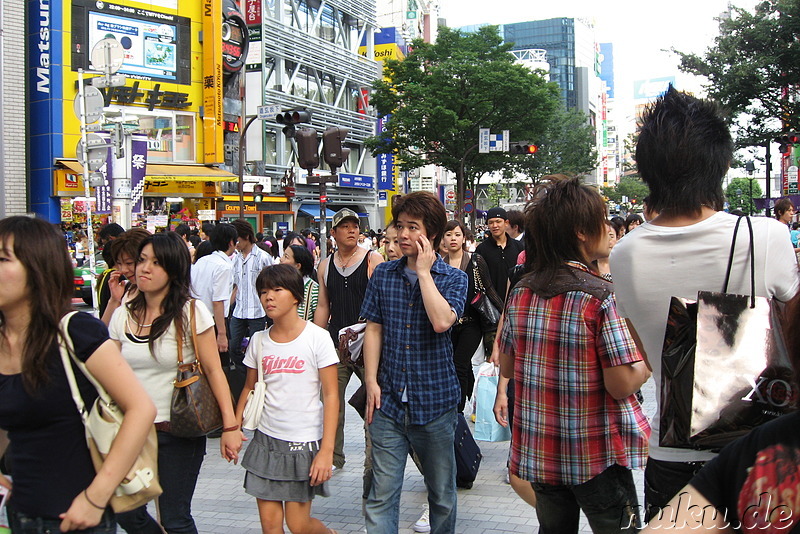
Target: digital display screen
[
  {"x": 156, "y": 45},
  {"x": 150, "y": 48}
]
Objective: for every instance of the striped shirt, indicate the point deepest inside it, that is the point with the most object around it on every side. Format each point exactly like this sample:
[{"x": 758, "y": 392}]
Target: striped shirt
[
  {"x": 310, "y": 297},
  {"x": 245, "y": 272},
  {"x": 416, "y": 362},
  {"x": 567, "y": 428}
]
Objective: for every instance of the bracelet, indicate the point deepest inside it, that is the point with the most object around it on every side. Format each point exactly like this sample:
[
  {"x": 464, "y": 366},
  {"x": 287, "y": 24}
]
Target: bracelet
[
  {"x": 86, "y": 494},
  {"x": 231, "y": 428}
]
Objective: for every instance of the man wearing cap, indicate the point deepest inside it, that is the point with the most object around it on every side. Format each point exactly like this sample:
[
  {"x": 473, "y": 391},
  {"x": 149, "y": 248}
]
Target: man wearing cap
[
  {"x": 501, "y": 251},
  {"x": 341, "y": 293}
]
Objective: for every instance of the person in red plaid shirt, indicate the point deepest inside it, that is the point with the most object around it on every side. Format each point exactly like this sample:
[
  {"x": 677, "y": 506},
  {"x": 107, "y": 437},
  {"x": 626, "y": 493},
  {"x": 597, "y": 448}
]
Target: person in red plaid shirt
[{"x": 578, "y": 429}]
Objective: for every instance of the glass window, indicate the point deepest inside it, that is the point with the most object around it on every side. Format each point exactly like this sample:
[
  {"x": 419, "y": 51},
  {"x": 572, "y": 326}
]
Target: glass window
[{"x": 170, "y": 134}]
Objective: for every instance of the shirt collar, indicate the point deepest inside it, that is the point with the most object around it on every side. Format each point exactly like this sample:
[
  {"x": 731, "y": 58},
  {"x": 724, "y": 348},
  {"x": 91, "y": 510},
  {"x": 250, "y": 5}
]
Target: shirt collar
[{"x": 438, "y": 267}]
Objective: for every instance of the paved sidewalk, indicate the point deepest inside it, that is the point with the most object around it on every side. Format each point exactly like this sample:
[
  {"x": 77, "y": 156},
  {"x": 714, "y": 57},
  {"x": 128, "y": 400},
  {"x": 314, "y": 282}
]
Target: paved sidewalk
[{"x": 221, "y": 506}]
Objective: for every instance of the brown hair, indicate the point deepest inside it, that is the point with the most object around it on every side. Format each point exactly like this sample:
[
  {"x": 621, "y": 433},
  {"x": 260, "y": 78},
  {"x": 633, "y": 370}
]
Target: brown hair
[
  {"x": 128, "y": 244},
  {"x": 43, "y": 253},
  {"x": 559, "y": 211},
  {"x": 425, "y": 206}
]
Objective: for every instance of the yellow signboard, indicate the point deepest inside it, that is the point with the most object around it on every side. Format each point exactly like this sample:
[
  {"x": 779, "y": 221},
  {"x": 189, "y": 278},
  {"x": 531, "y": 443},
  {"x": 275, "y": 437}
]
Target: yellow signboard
[
  {"x": 384, "y": 51},
  {"x": 70, "y": 184},
  {"x": 213, "y": 126}
]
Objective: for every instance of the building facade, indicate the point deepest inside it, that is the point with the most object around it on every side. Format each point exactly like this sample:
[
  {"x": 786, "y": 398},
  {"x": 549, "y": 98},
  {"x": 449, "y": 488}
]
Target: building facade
[
  {"x": 306, "y": 55},
  {"x": 13, "y": 126}
]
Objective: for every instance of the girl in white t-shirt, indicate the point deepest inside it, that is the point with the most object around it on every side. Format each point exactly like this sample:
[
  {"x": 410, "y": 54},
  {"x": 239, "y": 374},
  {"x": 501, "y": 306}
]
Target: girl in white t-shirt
[{"x": 290, "y": 457}]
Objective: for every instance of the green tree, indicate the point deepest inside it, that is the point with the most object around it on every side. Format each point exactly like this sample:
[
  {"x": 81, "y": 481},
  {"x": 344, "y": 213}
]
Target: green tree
[
  {"x": 441, "y": 94},
  {"x": 753, "y": 69},
  {"x": 566, "y": 147},
  {"x": 740, "y": 195},
  {"x": 629, "y": 186}
]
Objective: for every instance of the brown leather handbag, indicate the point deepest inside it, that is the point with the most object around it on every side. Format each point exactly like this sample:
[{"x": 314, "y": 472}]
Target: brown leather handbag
[{"x": 194, "y": 410}]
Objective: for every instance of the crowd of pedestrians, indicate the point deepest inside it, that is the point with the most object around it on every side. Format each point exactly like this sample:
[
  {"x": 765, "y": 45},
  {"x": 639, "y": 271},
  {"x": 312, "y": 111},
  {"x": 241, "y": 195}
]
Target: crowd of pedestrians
[{"x": 573, "y": 351}]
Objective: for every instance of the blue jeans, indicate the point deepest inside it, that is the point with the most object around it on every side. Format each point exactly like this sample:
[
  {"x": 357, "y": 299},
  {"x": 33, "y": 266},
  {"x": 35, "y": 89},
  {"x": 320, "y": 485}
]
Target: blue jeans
[
  {"x": 240, "y": 329},
  {"x": 179, "y": 461},
  {"x": 23, "y": 524},
  {"x": 433, "y": 442},
  {"x": 609, "y": 501}
]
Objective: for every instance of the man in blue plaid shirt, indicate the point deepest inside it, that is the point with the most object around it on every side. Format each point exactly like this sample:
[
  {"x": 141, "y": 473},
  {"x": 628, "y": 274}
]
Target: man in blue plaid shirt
[{"x": 412, "y": 388}]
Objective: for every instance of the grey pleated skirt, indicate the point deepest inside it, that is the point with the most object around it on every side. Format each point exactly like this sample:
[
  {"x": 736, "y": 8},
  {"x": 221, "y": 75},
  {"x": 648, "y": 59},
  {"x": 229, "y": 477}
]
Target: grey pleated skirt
[{"x": 277, "y": 470}]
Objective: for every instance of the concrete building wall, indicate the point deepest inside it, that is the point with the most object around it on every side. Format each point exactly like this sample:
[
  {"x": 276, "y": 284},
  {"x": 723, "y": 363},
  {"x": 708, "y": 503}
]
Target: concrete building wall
[{"x": 13, "y": 178}]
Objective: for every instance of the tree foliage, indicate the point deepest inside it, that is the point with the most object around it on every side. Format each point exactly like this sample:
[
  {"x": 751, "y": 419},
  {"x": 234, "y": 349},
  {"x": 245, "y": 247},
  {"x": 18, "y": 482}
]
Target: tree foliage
[
  {"x": 753, "y": 69},
  {"x": 630, "y": 186},
  {"x": 738, "y": 194},
  {"x": 442, "y": 93},
  {"x": 566, "y": 147}
]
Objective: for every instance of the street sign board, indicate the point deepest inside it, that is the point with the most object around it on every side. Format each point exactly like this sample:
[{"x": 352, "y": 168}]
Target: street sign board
[
  {"x": 451, "y": 195},
  {"x": 268, "y": 112},
  {"x": 98, "y": 151},
  {"x": 468, "y": 207},
  {"x": 483, "y": 140},
  {"x": 107, "y": 55},
  {"x": 94, "y": 104},
  {"x": 360, "y": 181},
  {"x": 468, "y": 194}
]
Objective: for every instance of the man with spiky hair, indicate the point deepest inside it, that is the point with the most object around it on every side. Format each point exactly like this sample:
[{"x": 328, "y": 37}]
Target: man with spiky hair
[{"x": 683, "y": 152}]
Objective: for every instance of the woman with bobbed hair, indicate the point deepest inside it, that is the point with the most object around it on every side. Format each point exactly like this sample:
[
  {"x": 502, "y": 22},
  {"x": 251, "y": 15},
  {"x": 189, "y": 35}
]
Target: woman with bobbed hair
[{"x": 55, "y": 486}]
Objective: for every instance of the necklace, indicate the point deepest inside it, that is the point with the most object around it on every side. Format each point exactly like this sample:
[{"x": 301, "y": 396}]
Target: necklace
[
  {"x": 345, "y": 264},
  {"x": 130, "y": 329}
]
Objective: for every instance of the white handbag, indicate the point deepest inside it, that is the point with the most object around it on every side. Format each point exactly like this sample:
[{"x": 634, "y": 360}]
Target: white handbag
[
  {"x": 255, "y": 401},
  {"x": 102, "y": 421}
]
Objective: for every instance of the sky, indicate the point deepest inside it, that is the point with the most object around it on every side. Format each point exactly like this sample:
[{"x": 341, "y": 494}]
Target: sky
[{"x": 642, "y": 31}]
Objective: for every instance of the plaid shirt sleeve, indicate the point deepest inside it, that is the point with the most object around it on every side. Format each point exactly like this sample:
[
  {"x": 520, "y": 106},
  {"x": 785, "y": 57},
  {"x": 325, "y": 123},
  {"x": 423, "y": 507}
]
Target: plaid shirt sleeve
[
  {"x": 454, "y": 290},
  {"x": 615, "y": 345},
  {"x": 371, "y": 308}
]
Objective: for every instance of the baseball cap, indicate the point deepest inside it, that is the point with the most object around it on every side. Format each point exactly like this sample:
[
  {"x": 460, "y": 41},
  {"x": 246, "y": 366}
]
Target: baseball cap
[
  {"x": 343, "y": 214},
  {"x": 493, "y": 213}
]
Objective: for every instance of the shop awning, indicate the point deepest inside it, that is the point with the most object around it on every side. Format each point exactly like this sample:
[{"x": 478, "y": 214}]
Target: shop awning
[
  {"x": 170, "y": 173},
  {"x": 188, "y": 173},
  {"x": 312, "y": 210}
]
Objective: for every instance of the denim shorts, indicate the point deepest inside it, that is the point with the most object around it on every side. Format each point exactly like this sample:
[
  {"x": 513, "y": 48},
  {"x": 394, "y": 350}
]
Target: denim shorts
[{"x": 25, "y": 524}]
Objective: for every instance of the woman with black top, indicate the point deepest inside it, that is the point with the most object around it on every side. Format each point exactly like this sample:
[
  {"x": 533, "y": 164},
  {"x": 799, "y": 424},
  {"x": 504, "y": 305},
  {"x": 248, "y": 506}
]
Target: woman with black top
[
  {"x": 467, "y": 333},
  {"x": 55, "y": 487}
]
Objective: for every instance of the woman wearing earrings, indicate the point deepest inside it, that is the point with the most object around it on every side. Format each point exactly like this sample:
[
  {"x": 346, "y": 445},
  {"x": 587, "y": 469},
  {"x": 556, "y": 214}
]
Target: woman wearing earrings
[{"x": 147, "y": 331}]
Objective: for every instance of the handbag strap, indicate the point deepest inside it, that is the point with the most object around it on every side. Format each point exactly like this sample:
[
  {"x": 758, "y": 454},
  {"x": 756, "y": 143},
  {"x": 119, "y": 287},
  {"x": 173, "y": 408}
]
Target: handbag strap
[
  {"x": 478, "y": 280},
  {"x": 752, "y": 260},
  {"x": 67, "y": 353},
  {"x": 308, "y": 288},
  {"x": 192, "y": 304}
]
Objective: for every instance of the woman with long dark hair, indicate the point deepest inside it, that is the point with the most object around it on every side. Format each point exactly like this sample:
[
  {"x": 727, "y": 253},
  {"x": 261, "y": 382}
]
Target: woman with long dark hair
[
  {"x": 467, "y": 333},
  {"x": 55, "y": 486},
  {"x": 148, "y": 330}
]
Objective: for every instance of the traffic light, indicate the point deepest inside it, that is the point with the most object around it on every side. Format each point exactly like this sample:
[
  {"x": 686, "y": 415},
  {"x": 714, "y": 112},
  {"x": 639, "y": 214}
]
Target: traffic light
[
  {"x": 290, "y": 118},
  {"x": 522, "y": 147},
  {"x": 307, "y": 149},
  {"x": 786, "y": 141},
  {"x": 332, "y": 150},
  {"x": 258, "y": 193}
]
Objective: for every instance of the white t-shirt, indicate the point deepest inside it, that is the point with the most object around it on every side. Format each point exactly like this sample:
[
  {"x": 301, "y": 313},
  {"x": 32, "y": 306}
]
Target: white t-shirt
[
  {"x": 655, "y": 263},
  {"x": 156, "y": 374},
  {"x": 212, "y": 280},
  {"x": 292, "y": 405}
]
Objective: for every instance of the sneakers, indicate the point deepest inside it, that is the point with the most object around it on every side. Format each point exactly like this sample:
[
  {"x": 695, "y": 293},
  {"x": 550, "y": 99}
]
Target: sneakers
[{"x": 423, "y": 524}]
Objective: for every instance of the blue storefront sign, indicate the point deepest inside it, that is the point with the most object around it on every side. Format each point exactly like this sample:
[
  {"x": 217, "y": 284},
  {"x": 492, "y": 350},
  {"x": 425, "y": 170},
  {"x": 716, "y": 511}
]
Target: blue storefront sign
[
  {"x": 385, "y": 162},
  {"x": 359, "y": 181}
]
